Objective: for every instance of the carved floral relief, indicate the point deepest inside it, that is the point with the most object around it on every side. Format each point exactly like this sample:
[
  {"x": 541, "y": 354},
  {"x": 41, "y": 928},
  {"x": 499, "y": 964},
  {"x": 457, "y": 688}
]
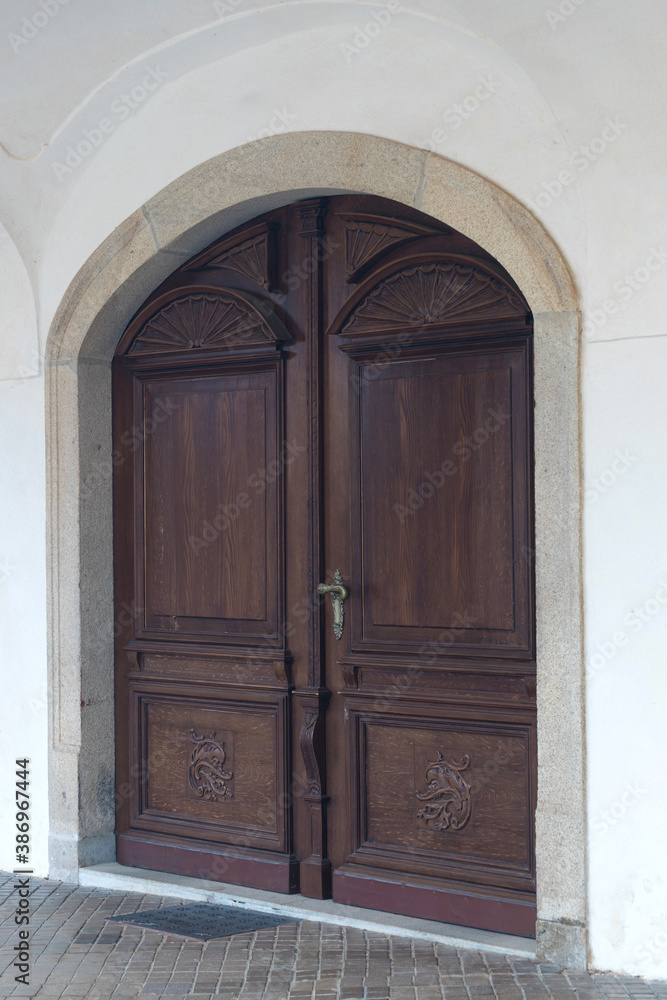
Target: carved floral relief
[
  {"x": 208, "y": 778},
  {"x": 447, "y": 795}
]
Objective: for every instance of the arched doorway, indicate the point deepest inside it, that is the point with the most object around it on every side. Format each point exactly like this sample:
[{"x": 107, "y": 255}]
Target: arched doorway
[
  {"x": 340, "y": 386},
  {"x": 113, "y": 282}
]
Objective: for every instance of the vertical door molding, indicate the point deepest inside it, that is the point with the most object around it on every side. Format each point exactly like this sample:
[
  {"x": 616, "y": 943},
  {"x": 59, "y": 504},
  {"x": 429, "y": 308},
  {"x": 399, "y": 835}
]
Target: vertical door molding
[{"x": 313, "y": 700}]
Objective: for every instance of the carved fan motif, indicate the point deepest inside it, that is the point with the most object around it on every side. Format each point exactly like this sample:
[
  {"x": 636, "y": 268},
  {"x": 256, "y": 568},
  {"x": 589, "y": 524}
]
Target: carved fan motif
[
  {"x": 434, "y": 293},
  {"x": 249, "y": 258},
  {"x": 197, "y": 321},
  {"x": 447, "y": 794},
  {"x": 363, "y": 240},
  {"x": 207, "y": 775}
]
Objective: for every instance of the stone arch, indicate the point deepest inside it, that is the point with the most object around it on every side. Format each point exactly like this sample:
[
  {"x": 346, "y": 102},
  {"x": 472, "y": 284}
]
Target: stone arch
[{"x": 181, "y": 220}]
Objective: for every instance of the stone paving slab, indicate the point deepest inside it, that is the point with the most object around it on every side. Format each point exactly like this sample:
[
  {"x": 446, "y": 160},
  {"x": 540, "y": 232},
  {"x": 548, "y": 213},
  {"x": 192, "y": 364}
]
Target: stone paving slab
[{"x": 77, "y": 953}]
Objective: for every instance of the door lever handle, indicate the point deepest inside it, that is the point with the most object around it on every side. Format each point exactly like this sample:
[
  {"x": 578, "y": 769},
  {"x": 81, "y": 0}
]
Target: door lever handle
[{"x": 339, "y": 594}]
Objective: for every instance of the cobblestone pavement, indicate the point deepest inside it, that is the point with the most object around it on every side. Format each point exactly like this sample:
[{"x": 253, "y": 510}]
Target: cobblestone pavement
[{"x": 76, "y": 953}]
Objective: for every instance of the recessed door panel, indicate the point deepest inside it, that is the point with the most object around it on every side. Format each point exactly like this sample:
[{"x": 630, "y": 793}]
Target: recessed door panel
[
  {"x": 446, "y": 795},
  {"x": 213, "y": 766},
  {"x": 210, "y": 521},
  {"x": 442, "y": 463}
]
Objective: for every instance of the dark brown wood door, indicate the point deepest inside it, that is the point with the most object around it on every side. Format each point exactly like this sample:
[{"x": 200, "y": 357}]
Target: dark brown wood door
[{"x": 343, "y": 385}]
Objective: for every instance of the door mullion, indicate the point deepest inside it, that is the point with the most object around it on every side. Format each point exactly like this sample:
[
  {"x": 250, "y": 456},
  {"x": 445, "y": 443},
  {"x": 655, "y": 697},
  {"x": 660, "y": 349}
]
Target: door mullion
[{"x": 315, "y": 869}]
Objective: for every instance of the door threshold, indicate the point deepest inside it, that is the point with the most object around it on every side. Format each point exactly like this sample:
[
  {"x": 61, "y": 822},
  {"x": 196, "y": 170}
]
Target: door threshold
[{"x": 111, "y": 875}]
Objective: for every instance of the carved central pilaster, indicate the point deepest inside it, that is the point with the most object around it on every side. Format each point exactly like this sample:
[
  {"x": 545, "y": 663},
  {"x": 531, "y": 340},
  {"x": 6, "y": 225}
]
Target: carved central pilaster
[{"x": 315, "y": 870}]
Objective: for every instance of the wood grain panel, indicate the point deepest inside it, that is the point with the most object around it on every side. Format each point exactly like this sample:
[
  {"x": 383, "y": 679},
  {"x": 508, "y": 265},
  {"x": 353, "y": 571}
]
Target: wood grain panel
[
  {"x": 252, "y": 670},
  {"x": 249, "y": 741},
  {"x": 437, "y": 514},
  {"x": 448, "y": 798},
  {"x": 415, "y": 681},
  {"x": 195, "y": 527},
  {"x": 441, "y": 522},
  {"x": 211, "y": 520},
  {"x": 509, "y": 913},
  {"x": 398, "y": 759},
  {"x": 183, "y": 856},
  {"x": 212, "y": 768}
]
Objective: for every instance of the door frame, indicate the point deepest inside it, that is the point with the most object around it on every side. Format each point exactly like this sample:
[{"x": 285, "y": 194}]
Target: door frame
[{"x": 110, "y": 287}]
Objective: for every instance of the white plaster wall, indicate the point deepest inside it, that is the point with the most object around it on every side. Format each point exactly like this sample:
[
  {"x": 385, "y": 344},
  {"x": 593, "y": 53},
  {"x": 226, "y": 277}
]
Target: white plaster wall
[
  {"x": 540, "y": 88},
  {"x": 23, "y": 711},
  {"x": 626, "y": 612}
]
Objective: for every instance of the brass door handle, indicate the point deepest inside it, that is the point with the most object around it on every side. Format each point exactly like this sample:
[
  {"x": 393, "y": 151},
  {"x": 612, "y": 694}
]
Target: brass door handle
[{"x": 339, "y": 594}]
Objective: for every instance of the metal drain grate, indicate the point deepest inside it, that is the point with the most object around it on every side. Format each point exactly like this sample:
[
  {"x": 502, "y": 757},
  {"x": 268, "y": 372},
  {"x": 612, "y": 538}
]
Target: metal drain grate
[{"x": 202, "y": 921}]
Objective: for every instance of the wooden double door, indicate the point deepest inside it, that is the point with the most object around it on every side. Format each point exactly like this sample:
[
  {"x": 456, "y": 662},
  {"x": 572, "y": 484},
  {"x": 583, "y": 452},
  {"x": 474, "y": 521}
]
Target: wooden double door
[{"x": 339, "y": 394}]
